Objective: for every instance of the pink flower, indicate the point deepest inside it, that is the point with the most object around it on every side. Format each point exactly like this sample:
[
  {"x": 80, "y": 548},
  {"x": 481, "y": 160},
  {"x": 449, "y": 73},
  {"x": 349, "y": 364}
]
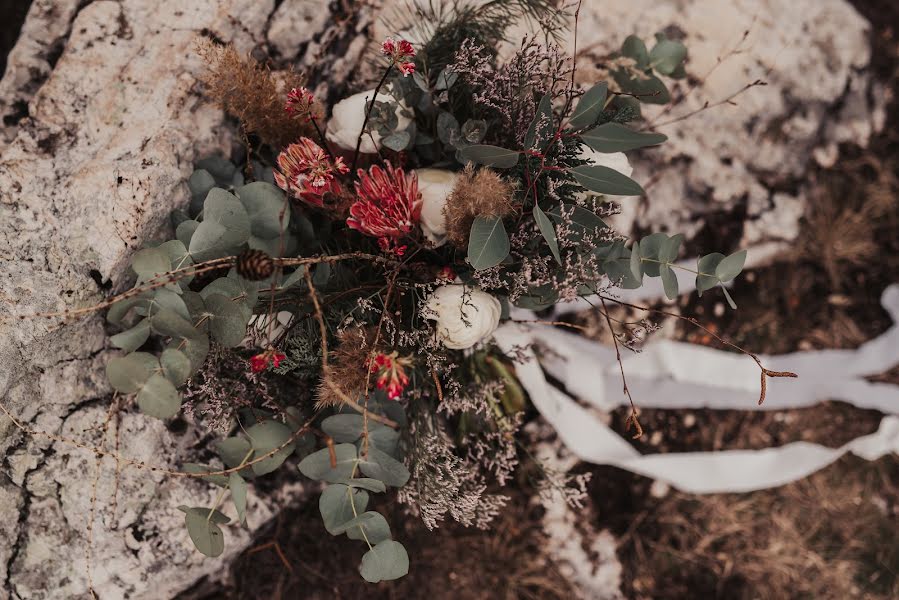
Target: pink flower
[
  {"x": 391, "y": 372},
  {"x": 389, "y": 205},
  {"x": 308, "y": 173},
  {"x": 399, "y": 53},
  {"x": 260, "y": 362},
  {"x": 299, "y": 103}
]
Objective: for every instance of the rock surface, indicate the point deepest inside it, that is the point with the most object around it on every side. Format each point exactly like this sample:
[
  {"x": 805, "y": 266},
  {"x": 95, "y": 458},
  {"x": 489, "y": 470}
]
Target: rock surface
[{"x": 102, "y": 121}]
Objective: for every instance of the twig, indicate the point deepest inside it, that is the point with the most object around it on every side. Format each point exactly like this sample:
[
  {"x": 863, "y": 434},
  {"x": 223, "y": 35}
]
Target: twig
[
  {"x": 633, "y": 419},
  {"x": 326, "y": 367},
  {"x": 367, "y": 115}
]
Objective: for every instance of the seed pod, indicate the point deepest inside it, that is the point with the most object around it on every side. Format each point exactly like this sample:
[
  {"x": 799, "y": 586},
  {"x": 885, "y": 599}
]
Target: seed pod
[{"x": 255, "y": 265}]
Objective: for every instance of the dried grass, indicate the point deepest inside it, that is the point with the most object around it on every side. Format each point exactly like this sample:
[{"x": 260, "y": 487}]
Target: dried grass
[{"x": 252, "y": 93}]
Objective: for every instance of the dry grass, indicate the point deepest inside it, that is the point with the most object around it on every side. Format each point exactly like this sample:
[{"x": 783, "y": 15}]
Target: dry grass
[{"x": 252, "y": 93}]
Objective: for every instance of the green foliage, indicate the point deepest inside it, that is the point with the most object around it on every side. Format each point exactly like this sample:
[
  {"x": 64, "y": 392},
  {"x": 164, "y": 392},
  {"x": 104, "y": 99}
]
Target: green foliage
[
  {"x": 590, "y": 106},
  {"x": 613, "y": 137},
  {"x": 548, "y": 232},
  {"x": 203, "y": 528},
  {"x": 666, "y": 58},
  {"x": 491, "y": 156},
  {"x": 488, "y": 243},
  {"x": 604, "y": 180}
]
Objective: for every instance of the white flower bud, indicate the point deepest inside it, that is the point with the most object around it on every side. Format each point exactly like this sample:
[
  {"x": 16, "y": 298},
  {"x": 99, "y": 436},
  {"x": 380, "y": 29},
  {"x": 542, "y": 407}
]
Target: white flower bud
[
  {"x": 464, "y": 315},
  {"x": 347, "y": 118},
  {"x": 435, "y": 186}
]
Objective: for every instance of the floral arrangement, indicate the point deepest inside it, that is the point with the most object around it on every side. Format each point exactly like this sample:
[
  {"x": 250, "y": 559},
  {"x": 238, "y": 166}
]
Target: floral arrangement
[{"x": 334, "y": 296}]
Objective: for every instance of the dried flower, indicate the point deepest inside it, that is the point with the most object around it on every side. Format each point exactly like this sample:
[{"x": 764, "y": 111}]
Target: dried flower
[
  {"x": 308, "y": 173},
  {"x": 389, "y": 205},
  {"x": 252, "y": 93},
  {"x": 391, "y": 372},
  {"x": 260, "y": 362},
  {"x": 476, "y": 193},
  {"x": 446, "y": 274},
  {"x": 299, "y": 103},
  {"x": 399, "y": 52}
]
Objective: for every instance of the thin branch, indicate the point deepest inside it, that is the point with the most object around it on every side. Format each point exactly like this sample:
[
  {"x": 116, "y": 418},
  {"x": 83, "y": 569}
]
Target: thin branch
[{"x": 633, "y": 419}]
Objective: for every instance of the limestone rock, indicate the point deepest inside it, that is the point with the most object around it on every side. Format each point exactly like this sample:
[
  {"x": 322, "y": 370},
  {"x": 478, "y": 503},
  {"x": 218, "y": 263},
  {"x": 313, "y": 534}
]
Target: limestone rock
[{"x": 105, "y": 123}]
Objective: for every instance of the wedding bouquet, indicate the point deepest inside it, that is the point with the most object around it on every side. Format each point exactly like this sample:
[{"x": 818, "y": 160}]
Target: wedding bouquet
[{"x": 334, "y": 295}]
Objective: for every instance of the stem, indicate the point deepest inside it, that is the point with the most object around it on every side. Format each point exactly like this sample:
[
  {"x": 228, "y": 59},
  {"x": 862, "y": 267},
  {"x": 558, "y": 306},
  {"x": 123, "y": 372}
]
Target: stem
[{"x": 367, "y": 115}]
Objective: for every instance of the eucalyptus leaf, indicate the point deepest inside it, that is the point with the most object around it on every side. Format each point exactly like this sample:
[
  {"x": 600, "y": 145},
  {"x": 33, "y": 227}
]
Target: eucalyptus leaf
[
  {"x": 614, "y": 137},
  {"x": 366, "y": 483},
  {"x": 228, "y": 321},
  {"x": 374, "y": 525},
  {"x": 727, "y": 296},
  {"x": 605, "y": 180},
  {"x": 669, "y": 281},
  {"x": 706, "y": 266},
  {"x": 268, "y": 436},
  {"x": 225, "y": 227},
  {"x": 150, "y": 262},
  {"x": 159, "y": 398},
  {"x": 185, "y": 231},
  {"x": 175, "y": 365},
  {"x": 548, "y": 232},
  {"x": 650, "y": 253},
  {"x": 234, "y": 451},
  {"x": 337, "y": 506},
  {"x": 397, "y": 141},
  {"x": 343, "y": 427},
  {"x": 205, "y": 532},
  {"x": 488, "y": 242},
  {"x": 385, "y": 562},
  {"x": 383, "y": 467},
  {"x": 168, "y": 322},
  {"x": 491, "y": 156},
  {"x": 267, "y": 209},
  {"x": 132, "y": 339},
  {"x": 667, "y": 55},
  {"x": 318, "y": 464},
  {"x": 238, "y": 487},
  {"x": 120, "y": 309},
  {"x": 617, "y": 265},
  {"x": 128, "y": 374},
  {"x": 633, "y": 47},
  {"x": 636, "y": 264},
  {"x": 590, "y": 106},
  {"x": 731, "y": 266}
]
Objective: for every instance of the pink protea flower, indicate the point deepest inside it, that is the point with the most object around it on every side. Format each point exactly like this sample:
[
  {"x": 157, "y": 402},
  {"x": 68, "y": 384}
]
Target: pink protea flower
[
  {"x": 399, "y": 52},
  {"x": 299, "y": 103},
  {"x": 391, "y": 371},
  {"x": 308, "y": 173},
  {"x": 389, "y": 205}
]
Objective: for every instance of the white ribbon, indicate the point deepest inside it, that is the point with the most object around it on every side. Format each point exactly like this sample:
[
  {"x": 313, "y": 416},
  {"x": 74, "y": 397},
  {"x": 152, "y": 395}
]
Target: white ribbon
[{"x": 674, "y": 375}]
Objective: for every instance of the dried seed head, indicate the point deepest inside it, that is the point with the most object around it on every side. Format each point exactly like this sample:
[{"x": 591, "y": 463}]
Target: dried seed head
[
  {"x": 254, "y": 265},
  {"x": 481, "y": 193}
]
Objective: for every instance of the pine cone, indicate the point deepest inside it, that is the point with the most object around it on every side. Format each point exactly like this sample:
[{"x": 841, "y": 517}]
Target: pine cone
[{"x": 255, "y": 265}]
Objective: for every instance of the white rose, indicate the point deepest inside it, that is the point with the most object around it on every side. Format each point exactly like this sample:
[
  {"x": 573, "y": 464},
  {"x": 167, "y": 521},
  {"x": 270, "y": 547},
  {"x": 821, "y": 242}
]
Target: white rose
[
  {"x": 435, "y": 186},
  {"x": 348, "y": 116},
  {"x": 464, "y": 315},
  {"x": 614, "y": 160}
]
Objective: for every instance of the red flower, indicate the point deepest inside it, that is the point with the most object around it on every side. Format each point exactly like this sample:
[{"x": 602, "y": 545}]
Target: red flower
[
  {"x": 389, "y": 205},
  {"x": 299, "y": 103},
  {"x": 260, "y": 362},
  {"x": 446, "y": 274},
  {"x": 399, "y": 53},
  {"x": 391, "y": 372},
  {"x": 307, "y": 173}
]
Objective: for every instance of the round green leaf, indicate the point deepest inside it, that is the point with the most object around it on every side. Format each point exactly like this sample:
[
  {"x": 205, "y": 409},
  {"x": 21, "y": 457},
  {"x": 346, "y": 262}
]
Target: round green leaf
[
  {"x": 667, "y": 55},
  {"x": 227, "y": 321},
  {"x": 385, "y": 562},
  {"x": 731, "y": 266},
  {"x": 159, "y": 398},
  {"x": 265, "y": 437},
  {"x": 375, "y": 525},
  {"x": 204, "y": 531},
  {"x": 343, "y": 428},
  {"x": 127, "y": 374},
  {"x": 706, "y": 266},
  {"x": 267, "y": 208},
  {"x": 337, "y": 506},
  {"x": 383, "y": 467},
  {"x": 225, "y": 226},
  {"x": 132, "y": 339},
  {"x": 318, "y": 464},
  {"x": 175, "y": 365}
]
